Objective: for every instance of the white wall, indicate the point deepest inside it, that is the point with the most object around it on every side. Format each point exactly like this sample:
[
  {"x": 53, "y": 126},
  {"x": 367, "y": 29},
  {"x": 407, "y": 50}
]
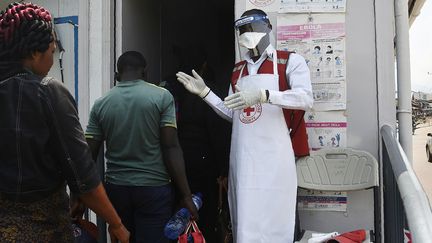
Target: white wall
[{"x": 96, "y": 52}]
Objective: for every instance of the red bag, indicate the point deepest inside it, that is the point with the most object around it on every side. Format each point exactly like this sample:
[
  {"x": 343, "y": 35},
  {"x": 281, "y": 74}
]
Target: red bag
[{"x": 192, "y": 231}]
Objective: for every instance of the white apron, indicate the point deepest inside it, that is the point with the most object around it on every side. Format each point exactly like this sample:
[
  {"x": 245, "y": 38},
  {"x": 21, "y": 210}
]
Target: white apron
[{"x": 262, "y": 180}]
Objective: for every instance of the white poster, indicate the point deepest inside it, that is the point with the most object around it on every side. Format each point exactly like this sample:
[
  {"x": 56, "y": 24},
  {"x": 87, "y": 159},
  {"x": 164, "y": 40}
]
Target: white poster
[
  {"x": 322, "y": 200},
  {"x": 320, "y": 39},
  {"x": 326, "y": 129},
  {"x": 265, "y": 5},
  {"x": 329, "y": 96},
  {"x": 325, "y": 59},
  {"x": 295, "y": 6}
]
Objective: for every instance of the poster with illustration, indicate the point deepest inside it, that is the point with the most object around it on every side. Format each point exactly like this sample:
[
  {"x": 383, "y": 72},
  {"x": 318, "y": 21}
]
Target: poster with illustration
[
  {"x": 326, "y": 129},
  {"x": 314, "y": 6},
  {"x": 319, "y": 38},
  {"x": 329, "y": 96}
]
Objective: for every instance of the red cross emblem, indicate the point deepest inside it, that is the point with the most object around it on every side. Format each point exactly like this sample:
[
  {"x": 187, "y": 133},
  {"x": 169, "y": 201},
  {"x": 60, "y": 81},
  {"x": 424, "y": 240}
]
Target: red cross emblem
[
  {"x": 248, "y": 110},
  {"x": 250, "y": 114}
]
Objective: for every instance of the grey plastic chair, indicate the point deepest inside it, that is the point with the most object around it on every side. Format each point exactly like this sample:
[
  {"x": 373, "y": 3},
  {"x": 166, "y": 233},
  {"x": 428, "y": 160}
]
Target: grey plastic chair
[{"x": 341, "y": 169}]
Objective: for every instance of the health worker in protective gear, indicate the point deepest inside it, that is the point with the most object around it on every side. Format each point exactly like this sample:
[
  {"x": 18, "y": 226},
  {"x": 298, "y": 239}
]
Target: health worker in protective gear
[{"x": 270, "y": 90}]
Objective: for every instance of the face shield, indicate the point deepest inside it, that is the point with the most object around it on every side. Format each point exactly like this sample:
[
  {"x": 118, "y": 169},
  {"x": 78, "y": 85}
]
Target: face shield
[{"x": 252, "y": 34}]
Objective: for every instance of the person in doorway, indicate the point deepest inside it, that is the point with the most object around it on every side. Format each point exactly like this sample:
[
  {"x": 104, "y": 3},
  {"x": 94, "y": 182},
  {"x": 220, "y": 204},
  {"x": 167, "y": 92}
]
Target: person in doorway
[
  {"x": 136, "y": 119},
  {"x": 42, "y": 145},
  {"x": 270, "y": 90},
  {"x": 204, "y": 138}
]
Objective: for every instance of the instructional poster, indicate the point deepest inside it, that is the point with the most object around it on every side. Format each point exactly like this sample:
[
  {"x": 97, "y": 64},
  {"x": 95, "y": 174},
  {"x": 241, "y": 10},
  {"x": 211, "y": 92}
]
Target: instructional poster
[
  {"x": 289, "y": 6},
  {"x": 265, "y": 5},
  {"x": 329, "y": 96},
  {"x": 320, "y": 39},
  {"x": 326, "y": 129},
  {"x": 322, "y": 200}
]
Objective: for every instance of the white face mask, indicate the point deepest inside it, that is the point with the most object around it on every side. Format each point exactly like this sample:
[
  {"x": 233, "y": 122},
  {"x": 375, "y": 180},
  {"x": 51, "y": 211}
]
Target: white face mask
[{"x": 250, "y": 39}]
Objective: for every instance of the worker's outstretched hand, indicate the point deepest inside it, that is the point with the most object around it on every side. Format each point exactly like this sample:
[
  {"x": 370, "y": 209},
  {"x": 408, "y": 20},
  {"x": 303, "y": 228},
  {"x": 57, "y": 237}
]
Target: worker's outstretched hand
[
  {"x": 194, "y": 84},
  {"x": 242, "y": 99}
]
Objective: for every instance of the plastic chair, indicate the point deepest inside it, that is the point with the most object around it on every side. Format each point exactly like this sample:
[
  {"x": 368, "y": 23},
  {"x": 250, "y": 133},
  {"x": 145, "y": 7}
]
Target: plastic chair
[{"x": 341, "y": 170}]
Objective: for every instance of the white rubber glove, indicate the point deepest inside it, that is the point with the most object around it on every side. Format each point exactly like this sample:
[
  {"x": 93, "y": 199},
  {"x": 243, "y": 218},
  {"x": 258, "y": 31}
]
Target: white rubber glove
[
  {"x": 243, "y": 99},
  {"x": 193, "y": 84}
]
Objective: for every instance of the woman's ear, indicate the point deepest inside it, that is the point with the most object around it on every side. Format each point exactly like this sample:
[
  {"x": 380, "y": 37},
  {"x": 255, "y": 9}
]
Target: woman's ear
[
  {"x": 116, "y": 76},
  {"x": 34, "y": 56}
]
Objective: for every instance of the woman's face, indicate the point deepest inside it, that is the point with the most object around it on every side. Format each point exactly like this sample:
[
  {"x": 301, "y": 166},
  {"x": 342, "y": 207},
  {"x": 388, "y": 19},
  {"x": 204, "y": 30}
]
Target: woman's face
[{"x": 42, "y": 61}]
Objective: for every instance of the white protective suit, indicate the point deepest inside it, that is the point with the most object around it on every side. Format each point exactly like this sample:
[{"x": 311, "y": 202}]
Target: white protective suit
[{"x": 262, "y": 178}]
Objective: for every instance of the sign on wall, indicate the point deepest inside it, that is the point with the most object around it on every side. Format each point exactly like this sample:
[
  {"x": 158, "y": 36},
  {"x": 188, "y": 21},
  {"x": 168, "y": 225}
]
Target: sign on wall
[
  {"x": 326, "y": 129},
  {"x": 265, "y": 5},
  {"x": 320, "y": 39},
  {"x": 289, "y": 6}
]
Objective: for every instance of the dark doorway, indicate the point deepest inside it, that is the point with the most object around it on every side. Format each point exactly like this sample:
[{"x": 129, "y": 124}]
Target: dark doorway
[
  {"x": 166, "y": 30},
  {"x": 198, "y": 26}
]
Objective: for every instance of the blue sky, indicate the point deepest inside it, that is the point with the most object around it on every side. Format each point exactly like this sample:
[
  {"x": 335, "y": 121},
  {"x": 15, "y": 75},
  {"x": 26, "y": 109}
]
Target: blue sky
[{"x": 421, "y": 50}]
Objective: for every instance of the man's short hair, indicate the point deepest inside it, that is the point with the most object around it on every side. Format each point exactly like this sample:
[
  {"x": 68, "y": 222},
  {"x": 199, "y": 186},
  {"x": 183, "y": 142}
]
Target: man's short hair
[{"x": 131, "y": 60}]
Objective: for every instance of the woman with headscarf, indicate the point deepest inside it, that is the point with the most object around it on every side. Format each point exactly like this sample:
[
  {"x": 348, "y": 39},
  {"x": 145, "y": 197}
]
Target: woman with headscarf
[{"x": 42, "y": 146}]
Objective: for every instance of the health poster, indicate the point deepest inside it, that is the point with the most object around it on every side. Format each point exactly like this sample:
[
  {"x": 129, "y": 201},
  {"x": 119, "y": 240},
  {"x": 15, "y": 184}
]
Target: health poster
[
  {"x": 326, "y": 129},
  {"x": 265, "y": 5},
  {"x": 314, "y": 6},
  {"x": 319, "y": 38},
  {"x": 329, "y": 96}
]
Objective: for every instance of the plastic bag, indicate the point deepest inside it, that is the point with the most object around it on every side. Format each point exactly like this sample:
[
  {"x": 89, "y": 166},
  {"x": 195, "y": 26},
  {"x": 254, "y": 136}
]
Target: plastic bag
[{"x": 192, "y": 234}]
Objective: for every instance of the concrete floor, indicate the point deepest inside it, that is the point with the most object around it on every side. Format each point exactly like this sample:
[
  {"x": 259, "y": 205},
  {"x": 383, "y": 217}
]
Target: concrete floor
[{"x": 422, "y": 167}]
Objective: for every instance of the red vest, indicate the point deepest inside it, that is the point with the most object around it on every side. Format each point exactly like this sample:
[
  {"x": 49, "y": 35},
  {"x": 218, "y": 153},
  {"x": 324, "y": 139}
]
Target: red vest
[{"x": 294, "y": 118}]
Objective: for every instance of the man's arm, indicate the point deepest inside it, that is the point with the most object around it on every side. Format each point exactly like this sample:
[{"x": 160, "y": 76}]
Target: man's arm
[
  {"x": 94, "y": 146},
  {"x": 173, "y": 159}
]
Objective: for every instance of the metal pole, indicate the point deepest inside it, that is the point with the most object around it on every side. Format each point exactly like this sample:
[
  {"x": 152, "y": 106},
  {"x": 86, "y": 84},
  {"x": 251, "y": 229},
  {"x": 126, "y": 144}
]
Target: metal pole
[
  {"x": 409, "y": 189},
  {"x": 394, "y": 213},
  {"x": 403, "y": 76}
]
